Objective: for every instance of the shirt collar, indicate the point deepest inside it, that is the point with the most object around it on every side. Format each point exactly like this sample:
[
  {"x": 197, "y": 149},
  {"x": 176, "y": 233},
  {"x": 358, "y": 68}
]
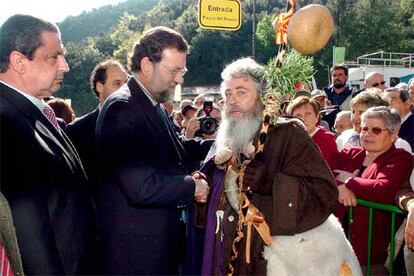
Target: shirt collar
[
  {"x": 403, "y": 119},
  {"x": 40, "y": 104},
  {"x": 153, "y": 102}
]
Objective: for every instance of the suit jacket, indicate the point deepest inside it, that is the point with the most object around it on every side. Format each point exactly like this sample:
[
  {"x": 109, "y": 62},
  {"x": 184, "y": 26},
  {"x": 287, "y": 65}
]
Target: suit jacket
[
  {"x": 379, "y": 182},
  {"x": 44, "y": 182},
  {"x": 144, "y": 185},
  {"x": 82, "y": 134},
  {"x": 407, "y": 131}
]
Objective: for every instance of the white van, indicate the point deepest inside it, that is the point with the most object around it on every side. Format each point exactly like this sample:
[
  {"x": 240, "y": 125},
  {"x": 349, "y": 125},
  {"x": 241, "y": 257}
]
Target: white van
[{"x": 396, "y": 68}]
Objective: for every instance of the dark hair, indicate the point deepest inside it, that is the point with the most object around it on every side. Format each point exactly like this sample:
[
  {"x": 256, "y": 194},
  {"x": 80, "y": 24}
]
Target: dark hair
[
  {"x": 22, "y": 33},
  {"x": 152, "y": 44},
  {"x": 404, "y": 94},
  {"x": 340, "y": 67},
  {"x": 62, "y": 109},
  {"x": 99, "y": 73}
]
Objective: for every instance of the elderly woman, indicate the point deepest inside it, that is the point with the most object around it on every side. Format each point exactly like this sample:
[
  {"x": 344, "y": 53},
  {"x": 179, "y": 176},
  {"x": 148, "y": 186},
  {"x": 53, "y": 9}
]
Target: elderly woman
[
  {"x": 307, "y": 110},
  {"x": 373, "y": 172},
  {"x": 360, "y": 103}
]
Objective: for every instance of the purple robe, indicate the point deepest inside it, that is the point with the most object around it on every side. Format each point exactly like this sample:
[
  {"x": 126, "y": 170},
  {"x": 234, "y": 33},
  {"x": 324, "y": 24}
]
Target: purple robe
[{"x": 209, "y": 240}]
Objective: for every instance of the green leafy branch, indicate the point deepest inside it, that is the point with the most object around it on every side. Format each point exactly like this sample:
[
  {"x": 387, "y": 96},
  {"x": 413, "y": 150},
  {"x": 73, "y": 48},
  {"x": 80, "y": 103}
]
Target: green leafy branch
[{"x": 281, "y": 81}]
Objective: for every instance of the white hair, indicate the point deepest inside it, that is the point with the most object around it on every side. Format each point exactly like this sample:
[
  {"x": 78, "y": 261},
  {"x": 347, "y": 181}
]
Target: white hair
[
  {"x": 236, "y": 134},
  {"x": 243, "y": 68},
  {"x": 372, "y": 74}
]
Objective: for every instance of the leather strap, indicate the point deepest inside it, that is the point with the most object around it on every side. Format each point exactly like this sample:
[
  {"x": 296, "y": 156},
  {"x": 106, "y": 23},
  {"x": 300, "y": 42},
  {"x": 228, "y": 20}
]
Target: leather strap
[{"x": 256, "y": 218}]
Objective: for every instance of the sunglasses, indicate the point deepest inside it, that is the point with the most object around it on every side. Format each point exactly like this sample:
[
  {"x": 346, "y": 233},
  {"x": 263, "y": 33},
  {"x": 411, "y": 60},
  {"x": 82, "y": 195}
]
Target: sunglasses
[
  {"x": 378, "y": 84},
  {"x": 374, "y": 130}
]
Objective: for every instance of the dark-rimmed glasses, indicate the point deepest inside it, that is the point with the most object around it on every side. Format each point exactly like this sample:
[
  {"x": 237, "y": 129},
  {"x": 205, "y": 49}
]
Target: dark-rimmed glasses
[
  {"x": 374, "y": 130},
  {"x": 378, "y": 84}
]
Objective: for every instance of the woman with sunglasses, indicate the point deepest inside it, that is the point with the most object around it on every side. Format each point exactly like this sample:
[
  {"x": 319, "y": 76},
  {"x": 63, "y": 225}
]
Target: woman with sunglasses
[
  {"x": 375, "y": 171},
  {"x": 351, "y": 137}
]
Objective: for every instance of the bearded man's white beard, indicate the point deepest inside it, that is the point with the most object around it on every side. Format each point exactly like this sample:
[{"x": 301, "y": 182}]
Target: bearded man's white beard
[{"x": 236, "y": 134}]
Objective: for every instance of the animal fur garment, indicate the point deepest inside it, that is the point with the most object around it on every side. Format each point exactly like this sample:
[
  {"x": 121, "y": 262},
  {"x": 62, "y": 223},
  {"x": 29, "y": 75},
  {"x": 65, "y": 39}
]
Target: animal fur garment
[{"x": 319, "y": 251}]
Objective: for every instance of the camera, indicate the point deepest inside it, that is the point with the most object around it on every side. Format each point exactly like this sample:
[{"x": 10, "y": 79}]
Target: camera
[{"x": 208, "y": 125}]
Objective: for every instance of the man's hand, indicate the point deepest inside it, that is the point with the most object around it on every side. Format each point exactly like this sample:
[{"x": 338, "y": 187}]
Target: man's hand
[
  {"x": 409, "y": 228},
  {"x": 202, "y": 189},
  {"x": 346, "y": 196},
  {"x": 192, "y": 126},
  {"x": 254, "y": 176}
]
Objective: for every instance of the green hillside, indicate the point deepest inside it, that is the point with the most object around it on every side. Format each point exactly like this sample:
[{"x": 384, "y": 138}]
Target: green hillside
[
  {"x": 361, "y": 26},
  {"x": 100, "y": 20}
]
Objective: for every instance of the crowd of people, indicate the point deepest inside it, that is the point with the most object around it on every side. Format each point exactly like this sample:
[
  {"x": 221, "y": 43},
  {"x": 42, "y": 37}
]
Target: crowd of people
[{"x": 142, "y": 186}]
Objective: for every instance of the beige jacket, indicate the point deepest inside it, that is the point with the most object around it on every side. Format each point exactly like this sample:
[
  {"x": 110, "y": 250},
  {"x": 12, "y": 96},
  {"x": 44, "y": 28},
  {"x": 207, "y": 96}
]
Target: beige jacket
[{"x": 8, "y": 236}]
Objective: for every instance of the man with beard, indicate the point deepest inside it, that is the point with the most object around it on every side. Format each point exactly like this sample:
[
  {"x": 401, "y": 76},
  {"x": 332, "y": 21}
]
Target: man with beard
[
  {"x": 339, "y": 93},
  {"x": 144, "y": 183},
  {"x": 290, "y": 184}
]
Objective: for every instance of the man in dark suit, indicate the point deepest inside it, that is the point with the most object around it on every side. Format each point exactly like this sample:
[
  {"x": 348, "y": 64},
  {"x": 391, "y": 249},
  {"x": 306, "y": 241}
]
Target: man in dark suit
[
  {"x": 144, "y": 184},
  {"x": 107, "y": 77},
  {"x": 399, "y": 100},
  {"x": 41, "y": 174}
]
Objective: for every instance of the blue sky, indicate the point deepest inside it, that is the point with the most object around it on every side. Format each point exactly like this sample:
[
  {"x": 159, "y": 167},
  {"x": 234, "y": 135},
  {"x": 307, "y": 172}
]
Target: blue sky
[{"x": 52, "y": 10}]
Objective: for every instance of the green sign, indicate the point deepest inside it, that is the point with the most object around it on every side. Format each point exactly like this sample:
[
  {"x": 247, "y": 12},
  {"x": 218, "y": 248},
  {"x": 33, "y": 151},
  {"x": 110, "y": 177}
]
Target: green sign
[
  {"x": 338, "y": 55},
  {"x": 219, "y": 14}
]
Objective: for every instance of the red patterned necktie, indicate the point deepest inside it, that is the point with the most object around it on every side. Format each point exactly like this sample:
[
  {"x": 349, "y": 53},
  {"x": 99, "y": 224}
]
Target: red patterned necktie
[
  {"x": 5, "y": 267},
  {"x": 50, "y": 115}
]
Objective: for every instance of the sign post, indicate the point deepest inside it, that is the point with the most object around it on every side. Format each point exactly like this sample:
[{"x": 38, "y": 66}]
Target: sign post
[{"x": 219, "y": 14}]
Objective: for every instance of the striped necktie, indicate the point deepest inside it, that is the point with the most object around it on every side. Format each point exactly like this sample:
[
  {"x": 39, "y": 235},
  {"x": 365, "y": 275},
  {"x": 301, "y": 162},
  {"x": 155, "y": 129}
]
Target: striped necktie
[
  {"x": 5, "y": 267},
  {"x": 50, "y": 115}
]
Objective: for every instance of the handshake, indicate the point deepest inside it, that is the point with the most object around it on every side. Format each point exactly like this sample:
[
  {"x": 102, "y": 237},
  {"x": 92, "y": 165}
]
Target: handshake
[{"x": 202, "y": 189}]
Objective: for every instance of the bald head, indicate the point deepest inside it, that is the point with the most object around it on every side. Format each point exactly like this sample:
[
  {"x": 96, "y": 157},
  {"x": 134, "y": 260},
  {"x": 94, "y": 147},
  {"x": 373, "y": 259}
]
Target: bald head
[{"x": 374, "y": 79}]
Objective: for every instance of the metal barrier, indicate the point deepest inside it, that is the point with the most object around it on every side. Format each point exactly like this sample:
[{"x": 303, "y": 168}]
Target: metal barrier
[{"x": 394, "y": 210}]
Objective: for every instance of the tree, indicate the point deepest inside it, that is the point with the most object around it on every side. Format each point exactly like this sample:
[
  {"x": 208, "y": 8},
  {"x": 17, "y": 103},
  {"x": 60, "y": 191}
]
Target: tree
[
  {"x": 362, "y": 26},
  {"x": 82, "y": 58},
  {"x": 124, "y": 37},
  {"x": 265, "y": 35},
  {"x": 405, "y": 25},
  {"x": 187, "y": 24}
]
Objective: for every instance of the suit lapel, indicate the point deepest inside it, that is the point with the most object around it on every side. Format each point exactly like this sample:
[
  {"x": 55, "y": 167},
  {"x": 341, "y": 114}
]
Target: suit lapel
[
  {"x": 155, "y": 119},
  {"x": 40, "y": 123}
]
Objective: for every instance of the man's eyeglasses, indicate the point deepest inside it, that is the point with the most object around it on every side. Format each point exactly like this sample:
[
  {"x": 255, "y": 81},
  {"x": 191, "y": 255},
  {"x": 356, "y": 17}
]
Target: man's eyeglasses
[
  {"x": 374, "y": 130},
  {"x": 176, "y": 71},
  {"x": 378, "y": 84}
]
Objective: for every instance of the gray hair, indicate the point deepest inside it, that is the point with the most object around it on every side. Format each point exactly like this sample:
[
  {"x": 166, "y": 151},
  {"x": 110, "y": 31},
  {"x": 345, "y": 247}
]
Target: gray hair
[
  {"x": 390, "y": 117},
  {"x": 346, "y": 113},
  {"x": 243, "y": 68},
  {"x": 410, "y": 81},
  {"x": 404, "y": 94},
  {"x": 368, "y": 99},
  {"x": 370, "y": 75}
]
